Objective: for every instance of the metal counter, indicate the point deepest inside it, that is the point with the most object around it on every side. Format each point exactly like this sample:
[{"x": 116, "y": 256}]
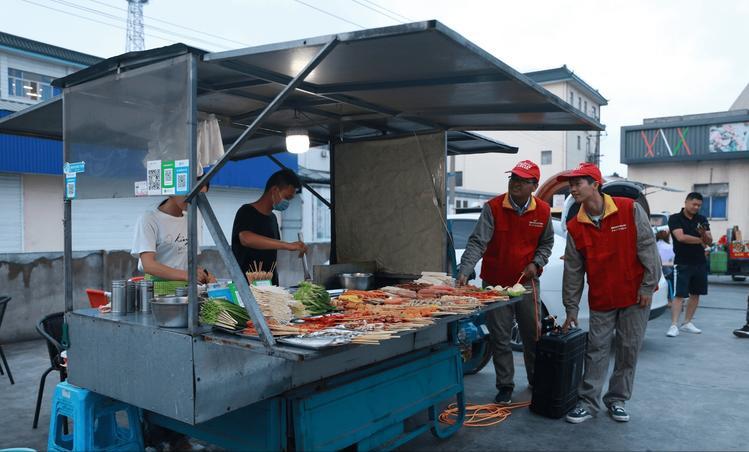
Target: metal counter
[{"x": 196, "y": 378}]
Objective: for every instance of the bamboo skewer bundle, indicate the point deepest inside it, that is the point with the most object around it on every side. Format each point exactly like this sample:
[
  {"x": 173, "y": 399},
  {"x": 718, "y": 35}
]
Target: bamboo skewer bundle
[{"x": 256, "y": 272}]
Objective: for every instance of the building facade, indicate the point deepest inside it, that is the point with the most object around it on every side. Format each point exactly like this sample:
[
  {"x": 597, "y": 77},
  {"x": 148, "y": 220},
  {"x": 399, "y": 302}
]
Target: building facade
[
  {"x": 31, "y": 183},
  {"x": 553, "y": 151},
  {"x": 707, "y": 153}
]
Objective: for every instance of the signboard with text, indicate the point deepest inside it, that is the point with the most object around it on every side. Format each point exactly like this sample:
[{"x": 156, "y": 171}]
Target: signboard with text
[{"x": 720, "y": 139}]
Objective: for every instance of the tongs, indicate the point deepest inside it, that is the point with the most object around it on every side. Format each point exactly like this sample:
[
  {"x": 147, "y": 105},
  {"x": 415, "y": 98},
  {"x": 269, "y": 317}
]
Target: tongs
[{"x": 305, "y": 266}]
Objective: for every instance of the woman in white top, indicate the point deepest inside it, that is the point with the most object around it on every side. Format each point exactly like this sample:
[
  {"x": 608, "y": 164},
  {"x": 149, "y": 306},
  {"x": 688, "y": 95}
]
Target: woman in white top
[
  {"x": 160, "y": 242},
  {"x": 666, "y": 250}
]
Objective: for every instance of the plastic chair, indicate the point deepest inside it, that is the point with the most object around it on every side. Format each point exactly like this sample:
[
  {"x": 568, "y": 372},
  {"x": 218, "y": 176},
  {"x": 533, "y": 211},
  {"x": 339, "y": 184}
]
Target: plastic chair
[
  {"x": 95, "y": 422},
  {"x": 50, "y": 327},
  {"x": 3, "y": 304}
]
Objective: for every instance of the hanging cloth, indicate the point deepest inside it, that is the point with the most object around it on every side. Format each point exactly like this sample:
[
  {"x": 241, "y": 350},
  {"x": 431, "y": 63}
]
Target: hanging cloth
[{"x": 210, "y": 145}]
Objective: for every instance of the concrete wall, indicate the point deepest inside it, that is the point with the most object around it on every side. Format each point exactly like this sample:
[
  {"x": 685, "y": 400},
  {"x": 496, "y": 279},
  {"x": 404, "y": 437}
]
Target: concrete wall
[
  {"x": 42, "y": 213},
  {"x": 683, "y": 176},
  {"x": 35, "y": 281}
]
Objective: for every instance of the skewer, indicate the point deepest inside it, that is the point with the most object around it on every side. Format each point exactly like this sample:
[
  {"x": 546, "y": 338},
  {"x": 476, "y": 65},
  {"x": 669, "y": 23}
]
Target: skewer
[{"x": 521, "y": 277}]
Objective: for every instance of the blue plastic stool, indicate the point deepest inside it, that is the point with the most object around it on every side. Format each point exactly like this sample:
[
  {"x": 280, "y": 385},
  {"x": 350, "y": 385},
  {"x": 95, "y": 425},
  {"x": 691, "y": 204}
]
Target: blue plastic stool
[{"x": 94, "y": 422}]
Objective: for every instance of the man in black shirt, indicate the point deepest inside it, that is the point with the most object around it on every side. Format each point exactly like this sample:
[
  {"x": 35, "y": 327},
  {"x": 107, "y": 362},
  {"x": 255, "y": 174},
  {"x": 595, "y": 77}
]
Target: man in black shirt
[
  {"x": 255, "y": 238},
  {"x": 691, "y": 233}
]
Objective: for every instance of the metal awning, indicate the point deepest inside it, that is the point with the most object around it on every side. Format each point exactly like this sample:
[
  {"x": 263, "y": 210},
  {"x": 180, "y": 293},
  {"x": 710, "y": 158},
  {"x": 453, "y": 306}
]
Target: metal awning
[
  {"x": 43, "y": 120},
  {"x": 390, "y": 81}
]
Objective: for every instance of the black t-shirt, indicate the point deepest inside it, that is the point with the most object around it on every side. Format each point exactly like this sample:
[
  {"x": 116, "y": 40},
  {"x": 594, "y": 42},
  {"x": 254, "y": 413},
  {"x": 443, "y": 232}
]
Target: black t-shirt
[
  {"x": 687, "y": 254},
  {"x": 250, "y": 219}
]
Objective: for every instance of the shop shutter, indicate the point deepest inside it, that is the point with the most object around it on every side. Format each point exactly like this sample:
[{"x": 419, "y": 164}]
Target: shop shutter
[
  {"x": 11, "y": 221},
  {"x": 107, "y": 224},
  {"x": 225, "y": 203}
]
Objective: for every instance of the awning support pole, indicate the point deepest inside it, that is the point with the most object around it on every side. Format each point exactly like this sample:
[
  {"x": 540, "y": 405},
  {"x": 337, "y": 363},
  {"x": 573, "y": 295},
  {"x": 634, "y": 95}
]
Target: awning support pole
[
  {"x": 239, "y": 279},
  {"x": 67, "y": 261},
  {"x": 270, "y": 109}
]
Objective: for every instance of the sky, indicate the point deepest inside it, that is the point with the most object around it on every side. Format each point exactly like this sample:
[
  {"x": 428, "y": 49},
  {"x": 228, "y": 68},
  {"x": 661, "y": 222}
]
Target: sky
[{"x": 648, "y": 58}]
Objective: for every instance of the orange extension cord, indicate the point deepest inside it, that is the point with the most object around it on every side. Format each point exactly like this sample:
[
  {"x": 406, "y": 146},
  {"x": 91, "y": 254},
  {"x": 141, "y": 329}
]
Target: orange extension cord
[
  {"x": 491, "y": 413},
  {"x": 480, "y": 415}
]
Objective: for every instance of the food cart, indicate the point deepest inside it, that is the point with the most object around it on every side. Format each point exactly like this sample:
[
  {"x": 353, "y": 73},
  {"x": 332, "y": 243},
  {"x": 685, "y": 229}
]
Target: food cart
[{"x": 391, "y": 104}]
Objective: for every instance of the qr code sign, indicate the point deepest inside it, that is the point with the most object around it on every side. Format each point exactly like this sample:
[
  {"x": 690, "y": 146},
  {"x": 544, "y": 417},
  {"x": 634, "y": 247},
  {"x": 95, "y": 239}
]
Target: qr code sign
[
  {"x": 70, "y": 190},
  {"x": 154, "y": 180},
  {"x": 181, "y": 182},
  {"x": 168, "y": 177}
]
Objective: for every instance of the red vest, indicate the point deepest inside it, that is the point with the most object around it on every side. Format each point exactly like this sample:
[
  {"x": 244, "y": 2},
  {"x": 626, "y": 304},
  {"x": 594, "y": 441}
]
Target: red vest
[
  {"x": 515, "y": 240},
  {"x": 610, "y": 252}
]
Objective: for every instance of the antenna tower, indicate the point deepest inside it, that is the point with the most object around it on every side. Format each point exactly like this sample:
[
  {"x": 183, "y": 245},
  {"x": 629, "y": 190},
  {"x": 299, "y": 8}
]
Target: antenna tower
[{"x": 135, "y": 40}]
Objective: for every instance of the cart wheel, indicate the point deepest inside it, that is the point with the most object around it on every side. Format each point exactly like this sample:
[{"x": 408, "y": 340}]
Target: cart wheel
[{"x": 481, "y": 353}]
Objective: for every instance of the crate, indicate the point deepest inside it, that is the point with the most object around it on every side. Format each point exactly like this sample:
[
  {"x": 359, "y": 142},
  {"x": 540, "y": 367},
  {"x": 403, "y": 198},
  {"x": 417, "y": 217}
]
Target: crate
[
  {"x": 558, "y": 371},
  {"x": 718, "y": 262}
]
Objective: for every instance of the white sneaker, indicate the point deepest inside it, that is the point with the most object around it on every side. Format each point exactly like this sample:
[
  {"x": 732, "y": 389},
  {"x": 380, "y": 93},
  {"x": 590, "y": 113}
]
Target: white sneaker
[
  {"x": 672, "y": 331},
  {"x": 690, "y": 328}
]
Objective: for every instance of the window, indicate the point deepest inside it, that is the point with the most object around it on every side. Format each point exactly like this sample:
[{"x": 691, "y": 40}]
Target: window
[
  {"x": 593, "y": 112},
  {"x": 715, "y": 200},
  {"x": 572, "y": 98},
  {"x": 585, "y": 105},
  {"x": 29, "y": 85},
  {"x": 579, "y": 103},
  {"x": 321, "y": 216},
  {"x": 546, "y": 157},
  {"x": 578, "y": 143}
]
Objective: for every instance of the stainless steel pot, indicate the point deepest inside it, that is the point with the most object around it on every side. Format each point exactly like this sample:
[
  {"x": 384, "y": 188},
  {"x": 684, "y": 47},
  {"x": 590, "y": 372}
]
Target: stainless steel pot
[
  {"x": 170, "y": 312},
  {"x": 357, "y": 281}
]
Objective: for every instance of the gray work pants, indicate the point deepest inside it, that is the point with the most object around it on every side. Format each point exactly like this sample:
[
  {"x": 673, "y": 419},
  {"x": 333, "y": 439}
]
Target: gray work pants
[
  {"x": 500, "y": 323},
  {"x": 629, "y": 324}
]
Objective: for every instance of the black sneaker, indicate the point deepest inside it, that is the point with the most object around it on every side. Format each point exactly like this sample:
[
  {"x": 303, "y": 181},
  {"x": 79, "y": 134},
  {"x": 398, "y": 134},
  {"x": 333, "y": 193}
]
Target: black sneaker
[
  {"x": 618, "y": 413},
  {"x": 504, "y": 396},
  {"x": 742, "y": 332},
  {"x": 578, "y": 415}
]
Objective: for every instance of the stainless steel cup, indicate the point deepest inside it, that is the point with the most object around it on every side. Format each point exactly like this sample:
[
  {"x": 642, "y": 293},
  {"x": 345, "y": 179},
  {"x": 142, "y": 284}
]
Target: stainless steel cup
[
  {"x": 145, "y": 288},
  {"x": 131, "y": 291},
  {"x": 119, "y": 297}
]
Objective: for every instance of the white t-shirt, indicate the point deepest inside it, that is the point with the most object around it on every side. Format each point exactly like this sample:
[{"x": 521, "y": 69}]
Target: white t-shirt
[
  {"x": 163, "y": 234},
  {"x": 666, "y": 250}
]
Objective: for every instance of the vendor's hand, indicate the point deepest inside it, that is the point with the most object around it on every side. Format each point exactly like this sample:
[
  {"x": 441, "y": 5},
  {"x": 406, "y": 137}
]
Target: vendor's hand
[
  {"x": 644, "y": 300},
  {"x": 297, "y": 246},
  {"x": 570, "y": 321},
  {"x": 462, "y": 280},
  {"x": 530, "y": 272}
]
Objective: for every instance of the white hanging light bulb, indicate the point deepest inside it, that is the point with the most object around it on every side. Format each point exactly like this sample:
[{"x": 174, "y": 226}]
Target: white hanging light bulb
[{"x": 297, "y": 141}]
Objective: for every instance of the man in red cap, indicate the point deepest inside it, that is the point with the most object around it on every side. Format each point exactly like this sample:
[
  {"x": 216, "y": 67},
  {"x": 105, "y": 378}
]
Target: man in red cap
[
  {"x": 611, "y": 241},
  {"x": 514, "y": 235}
]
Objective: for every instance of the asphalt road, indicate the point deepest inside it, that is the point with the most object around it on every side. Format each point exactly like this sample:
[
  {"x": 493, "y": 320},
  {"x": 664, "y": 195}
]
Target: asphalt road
[{"x": 690, "y": 393}]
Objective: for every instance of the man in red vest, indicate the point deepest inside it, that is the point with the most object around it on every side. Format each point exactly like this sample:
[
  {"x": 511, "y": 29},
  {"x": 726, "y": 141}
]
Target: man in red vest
[
  {"x": 611, "y": 241},
  {"x": 514, "y": 235}
]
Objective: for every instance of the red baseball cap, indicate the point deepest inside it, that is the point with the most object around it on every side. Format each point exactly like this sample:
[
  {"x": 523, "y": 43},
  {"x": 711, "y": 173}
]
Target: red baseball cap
[
  {"x": 527, "y": 170},
  {"x": 582, "y": 170}
]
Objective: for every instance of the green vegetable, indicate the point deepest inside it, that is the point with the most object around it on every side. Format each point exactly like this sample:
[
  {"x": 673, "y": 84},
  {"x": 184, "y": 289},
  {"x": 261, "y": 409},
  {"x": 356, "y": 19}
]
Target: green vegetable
[
  {"x": 223, "y": 313},
  {"x": 314, "y": 298}
]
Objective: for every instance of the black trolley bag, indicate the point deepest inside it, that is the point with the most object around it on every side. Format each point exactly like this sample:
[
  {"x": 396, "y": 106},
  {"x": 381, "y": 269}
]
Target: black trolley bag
[{"x": 558, "y": 371}]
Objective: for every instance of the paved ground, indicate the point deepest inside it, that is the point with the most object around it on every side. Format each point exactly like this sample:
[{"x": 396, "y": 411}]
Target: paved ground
[{"x": 691, "y": 393}]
